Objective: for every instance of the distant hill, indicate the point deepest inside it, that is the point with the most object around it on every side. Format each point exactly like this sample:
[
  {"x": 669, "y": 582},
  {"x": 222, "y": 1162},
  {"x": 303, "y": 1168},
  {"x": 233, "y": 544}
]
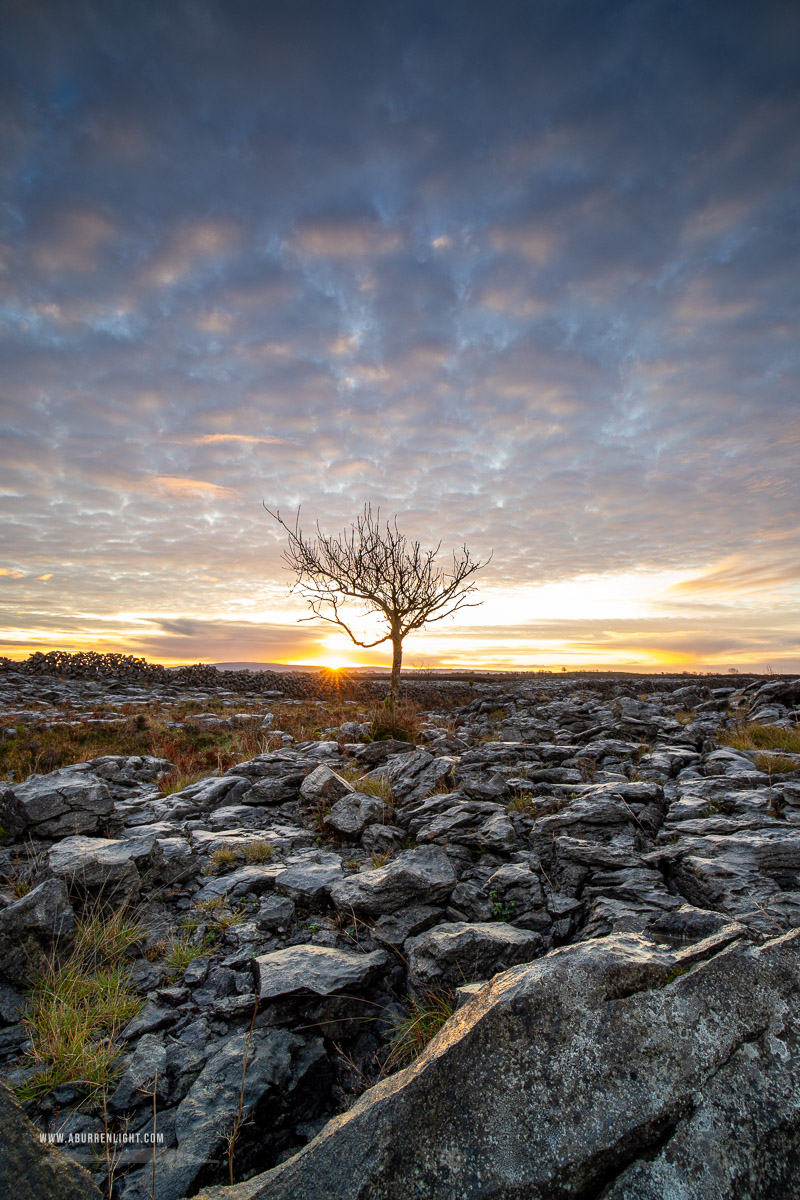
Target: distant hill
[{"x": 283, "y": 668}]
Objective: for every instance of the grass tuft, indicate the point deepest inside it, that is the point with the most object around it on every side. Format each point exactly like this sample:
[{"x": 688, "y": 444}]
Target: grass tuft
[
  {"x": 763, "y": 737},
  {"x": 183, "y": 951},
  {"x": 259, "y": 851},
  {"x": 380, "y": 787},
  {"x": 77, "y": 1007},
  {"x": 423, "y": 1020},
  {"x": 224, "y": 857}
]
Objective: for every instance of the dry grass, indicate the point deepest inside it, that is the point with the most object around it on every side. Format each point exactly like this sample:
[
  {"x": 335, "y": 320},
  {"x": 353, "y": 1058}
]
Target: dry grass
[
  {"x": 259, "y": 851},
  {"x": 763, "y": 737},
  {"x": 380, "y": 788},
  {"x": 776, "y": 764},
  {"x": 195, "y": 749},
  {"x": 401, "y": 721},
  {"x": 224, "y": 857}
]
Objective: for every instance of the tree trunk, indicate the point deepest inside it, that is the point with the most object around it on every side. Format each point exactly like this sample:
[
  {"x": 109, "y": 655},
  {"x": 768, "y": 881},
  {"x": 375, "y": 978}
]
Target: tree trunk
[{"x": 397, "y": 660}]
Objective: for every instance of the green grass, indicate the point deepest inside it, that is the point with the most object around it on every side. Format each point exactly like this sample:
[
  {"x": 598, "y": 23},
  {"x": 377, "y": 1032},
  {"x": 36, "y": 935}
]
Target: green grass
[
  {"x": 77, "y": 1007},
  {"x": 521, "y": 804},
  {"x": 183, "y": 951},
  {"x": 107, "y": 937},
  {"x": 422, "y": 1021}
]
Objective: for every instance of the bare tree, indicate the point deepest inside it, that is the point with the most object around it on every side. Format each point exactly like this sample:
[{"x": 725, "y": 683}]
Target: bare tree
[{"x": 376, "y": 567}]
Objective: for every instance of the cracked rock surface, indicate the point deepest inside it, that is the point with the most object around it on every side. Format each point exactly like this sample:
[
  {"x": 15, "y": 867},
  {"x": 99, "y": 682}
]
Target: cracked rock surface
[
  {"x": 598, "y": 1066},
  {"x": 605, "y": 891}
]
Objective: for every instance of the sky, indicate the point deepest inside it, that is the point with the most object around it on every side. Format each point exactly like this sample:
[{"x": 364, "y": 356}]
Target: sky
[{"x": 524, "y": 274}]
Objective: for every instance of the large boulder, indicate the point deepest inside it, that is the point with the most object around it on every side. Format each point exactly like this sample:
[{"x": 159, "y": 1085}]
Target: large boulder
[
  {"x": 616, "y": 1067},
  {"x": 29, "y": 1168}
]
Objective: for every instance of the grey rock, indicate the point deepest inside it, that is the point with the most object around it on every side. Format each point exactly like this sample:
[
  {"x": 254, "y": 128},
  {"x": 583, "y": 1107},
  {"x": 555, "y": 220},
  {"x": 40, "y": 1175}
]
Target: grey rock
[
  {"x": 105, "y": 866},
  {"x": 456, "y": 952},
  {"x": 318, "y": 969},
  {"x": 469, "y": 902},
  {"x": 378, "y": 839},
  {"x": 13, "y": 817},
  {"x": 284, "y": 1074},
  {"x": 70, "y": 800},
  {"x": 12, "y": 1004},
  {"x": 393, "y": 928},
  {"x": 196, "y": 972},
  {"x": 323, "y": 785},
  {"x": 126, "y": 775},
  {"x": 516, "y": 887},
  {"x": 211, "y": 793},
  {"x": 31, "y": 1170},
  {"x": 310, "y": 883},
  {"x": 275, "y": 913},
  {"x": 423, "y": 876},
  {"x": 375, "y": 753},
  {"x": 30, "y": 927},
  {"x": 152, "y": 1018},
  {"x": 145, "y": 1073},
  {"x": 753, "y": 876},
  {"x": 415, "y": 775},
  {"x": 253, "y": 877},
  {"x": 523, "y": 1093},
  {"x": 477, "y": 824},
  {"x": 351, "y": 815}
]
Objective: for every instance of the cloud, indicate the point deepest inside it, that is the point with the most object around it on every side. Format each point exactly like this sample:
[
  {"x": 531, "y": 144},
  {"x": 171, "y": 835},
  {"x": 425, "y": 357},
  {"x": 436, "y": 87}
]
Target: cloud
[
  {"x": 210, "y": 438},
  {"x": 488, "y": 270},
  {"x": 173, "y": 485}
]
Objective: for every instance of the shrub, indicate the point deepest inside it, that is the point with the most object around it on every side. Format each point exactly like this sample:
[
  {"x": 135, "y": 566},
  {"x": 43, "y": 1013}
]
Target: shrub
[{"x": 400, "y": 721}]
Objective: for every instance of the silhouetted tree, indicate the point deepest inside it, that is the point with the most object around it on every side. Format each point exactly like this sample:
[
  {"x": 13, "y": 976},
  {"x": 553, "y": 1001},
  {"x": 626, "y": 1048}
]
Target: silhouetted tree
[{"x": 377, "y": 567}]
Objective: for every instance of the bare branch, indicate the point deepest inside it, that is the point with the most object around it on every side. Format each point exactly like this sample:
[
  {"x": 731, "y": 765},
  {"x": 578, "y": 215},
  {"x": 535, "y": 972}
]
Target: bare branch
[{"x": 375, "y": 567}]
